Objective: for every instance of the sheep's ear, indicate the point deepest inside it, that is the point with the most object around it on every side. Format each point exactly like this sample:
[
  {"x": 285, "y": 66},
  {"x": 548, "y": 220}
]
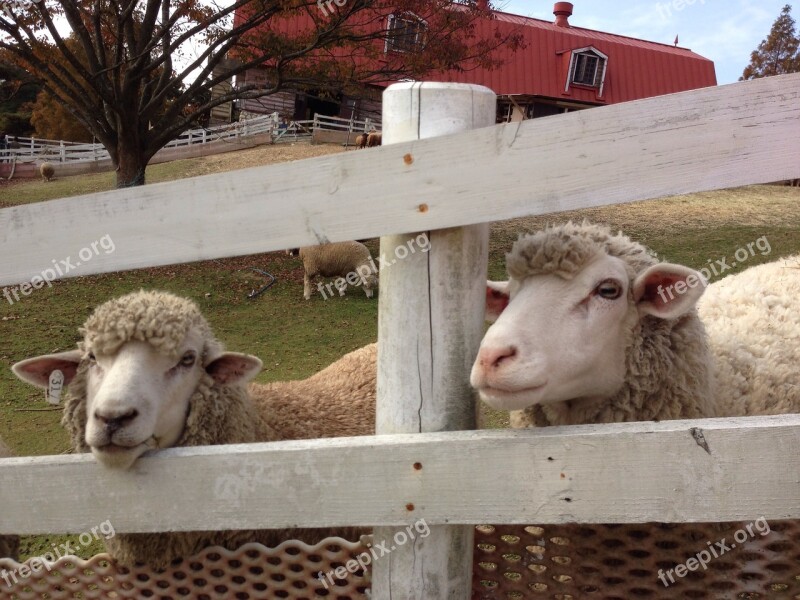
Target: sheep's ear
[
  {"x": 37, "y": 370},
  {"x": 232, "y": 368},
  {"x": 497, "y": 298},
  {"x": 668, "y": 291}
]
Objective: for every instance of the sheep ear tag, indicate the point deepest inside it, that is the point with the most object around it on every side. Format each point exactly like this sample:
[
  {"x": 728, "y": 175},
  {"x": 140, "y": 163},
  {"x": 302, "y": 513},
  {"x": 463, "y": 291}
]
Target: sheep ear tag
[{"x": 54, "y": 386}]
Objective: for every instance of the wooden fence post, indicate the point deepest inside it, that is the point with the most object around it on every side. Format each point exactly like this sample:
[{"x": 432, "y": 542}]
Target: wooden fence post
[{"x": 430, "y": 324}]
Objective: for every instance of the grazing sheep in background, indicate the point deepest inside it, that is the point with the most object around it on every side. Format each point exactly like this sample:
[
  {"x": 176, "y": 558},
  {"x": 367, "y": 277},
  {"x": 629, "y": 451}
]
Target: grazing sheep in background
[
  {"x": 591, "y": 328},
  {"x": 361, "y": 140},
  {"x": 374, "y": 138},
  {"x": 351, "y": 262},
  {"x": 9, "y": 544},
  {"x": 149, "y": 373},
  {"x": 47, "y": 171}
]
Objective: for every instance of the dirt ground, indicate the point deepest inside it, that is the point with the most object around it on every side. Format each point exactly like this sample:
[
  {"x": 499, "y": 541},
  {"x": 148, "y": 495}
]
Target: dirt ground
[{"x": 261, "y": 155}]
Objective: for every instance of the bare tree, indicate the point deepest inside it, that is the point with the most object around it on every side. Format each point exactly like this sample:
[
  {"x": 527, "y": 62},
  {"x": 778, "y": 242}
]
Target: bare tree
[{"x": 122, "y": 82}]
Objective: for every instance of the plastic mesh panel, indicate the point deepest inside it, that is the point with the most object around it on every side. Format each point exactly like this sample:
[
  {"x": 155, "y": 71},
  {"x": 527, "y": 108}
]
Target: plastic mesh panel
[
  {"x": 559, "y": 562},
  {"x": 249, "y": 573},
  {"x": 622, "y": 562}
]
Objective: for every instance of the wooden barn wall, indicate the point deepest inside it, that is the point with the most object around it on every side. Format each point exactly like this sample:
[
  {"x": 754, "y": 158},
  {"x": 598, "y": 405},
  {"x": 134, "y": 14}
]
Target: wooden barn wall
[
  {"x": 282, "y": 102},
  {"x": 361, "y": 108}
]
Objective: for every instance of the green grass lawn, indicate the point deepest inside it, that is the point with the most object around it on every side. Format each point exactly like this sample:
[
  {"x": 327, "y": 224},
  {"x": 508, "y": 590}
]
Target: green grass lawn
[{"x": 296, "y": 338}]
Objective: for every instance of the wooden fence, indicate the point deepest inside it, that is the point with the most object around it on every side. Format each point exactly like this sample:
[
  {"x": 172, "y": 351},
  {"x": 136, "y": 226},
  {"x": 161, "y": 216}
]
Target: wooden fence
[
  {"x": 23, "y": 155},
  {"x": 430, "y": 314},
  {"x": 29, "y": 150}
]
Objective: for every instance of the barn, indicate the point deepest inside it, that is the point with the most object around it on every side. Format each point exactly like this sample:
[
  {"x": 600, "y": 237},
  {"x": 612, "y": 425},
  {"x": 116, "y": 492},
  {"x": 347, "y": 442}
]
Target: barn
[{"x": 561, "y": 68}]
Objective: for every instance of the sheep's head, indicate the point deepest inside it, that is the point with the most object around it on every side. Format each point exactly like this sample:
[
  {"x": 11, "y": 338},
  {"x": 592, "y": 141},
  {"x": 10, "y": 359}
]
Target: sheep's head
[
  {"x": 142, "y": 359},
  {"x": 565, "y": 322},
  {"x": 369, "y": 281}
]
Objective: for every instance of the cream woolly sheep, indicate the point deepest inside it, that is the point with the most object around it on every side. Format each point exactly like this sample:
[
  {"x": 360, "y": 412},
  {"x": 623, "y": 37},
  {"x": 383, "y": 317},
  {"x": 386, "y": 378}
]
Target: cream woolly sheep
[
  {"x": 591, "y": 328},
  {"x": 753, "y": 323},
  {"x": 313, "y": 407},
  {"x": 9, "y": 544},
  {"x": 47, "y": 171},
  {"x": 351, "y": 262},
  {"x": 149, "y": 373}
]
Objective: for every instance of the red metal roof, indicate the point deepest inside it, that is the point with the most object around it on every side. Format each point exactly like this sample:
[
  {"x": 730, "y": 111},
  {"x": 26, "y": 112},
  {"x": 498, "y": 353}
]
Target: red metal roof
[{"x": 636, "y": 68}]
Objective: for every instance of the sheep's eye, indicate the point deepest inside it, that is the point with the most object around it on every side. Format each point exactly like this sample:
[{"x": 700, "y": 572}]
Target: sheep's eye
[
  {"x": 91, "y": 357},
  {"x": 187, "y": 360},
  {"x": 609, "y": 289}
]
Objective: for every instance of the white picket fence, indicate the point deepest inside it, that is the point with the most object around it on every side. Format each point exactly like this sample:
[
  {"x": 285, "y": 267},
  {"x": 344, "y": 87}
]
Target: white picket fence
[
  {"x": 32, "y": 150},
  {"x": 430, "y": 323},
  {"x": 349, "y": 125}
]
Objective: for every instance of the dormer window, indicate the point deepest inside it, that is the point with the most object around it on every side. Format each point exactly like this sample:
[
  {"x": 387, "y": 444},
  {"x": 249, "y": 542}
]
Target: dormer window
[
  {"x": 587, "y": 68},
  {"x": 405, "y": 33}
]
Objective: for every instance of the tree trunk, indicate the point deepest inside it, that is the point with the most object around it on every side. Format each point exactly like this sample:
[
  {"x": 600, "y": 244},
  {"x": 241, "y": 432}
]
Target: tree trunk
[
  {"x": 131, "y": 163},
  {"x": 131, "y": 145}
]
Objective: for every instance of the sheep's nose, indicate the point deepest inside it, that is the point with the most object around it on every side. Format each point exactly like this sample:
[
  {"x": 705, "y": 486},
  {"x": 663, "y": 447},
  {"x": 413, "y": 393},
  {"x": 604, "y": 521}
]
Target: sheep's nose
[
  {"x": 116, "y": 420},
  {"x": 492, "y": 358}
]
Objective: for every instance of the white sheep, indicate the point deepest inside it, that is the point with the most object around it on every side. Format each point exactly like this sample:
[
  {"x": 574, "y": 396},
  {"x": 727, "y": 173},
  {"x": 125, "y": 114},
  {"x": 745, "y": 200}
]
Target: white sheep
[
  {"x": 47, "y": 170},
  {"x": 149, "y": 373},
  {"x": 753, "y": 324},
  {"x": 591, "y": 328},
  {"x": 350, "y": 262},
  {"x": 9, "y": 544}
]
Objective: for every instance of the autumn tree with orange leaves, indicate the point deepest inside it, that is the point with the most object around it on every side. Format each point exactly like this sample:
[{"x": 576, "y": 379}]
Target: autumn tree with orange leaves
[
  {"x": 779, "y": 52},
  {"x": 142, "y": 70}
]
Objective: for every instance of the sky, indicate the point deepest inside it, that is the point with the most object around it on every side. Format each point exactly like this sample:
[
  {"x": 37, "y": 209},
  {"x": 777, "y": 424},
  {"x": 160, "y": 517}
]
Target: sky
[{"x": 725, "y": 31}]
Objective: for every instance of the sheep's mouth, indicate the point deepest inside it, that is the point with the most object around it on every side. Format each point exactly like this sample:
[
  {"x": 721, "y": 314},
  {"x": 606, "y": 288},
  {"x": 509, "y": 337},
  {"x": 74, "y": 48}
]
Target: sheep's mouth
[
  {"x": 117, "y": 456},
  {"x": 512, "y": 399},
  {"x": 111, "y": 445},
  {"x": 113, "y": 448}
]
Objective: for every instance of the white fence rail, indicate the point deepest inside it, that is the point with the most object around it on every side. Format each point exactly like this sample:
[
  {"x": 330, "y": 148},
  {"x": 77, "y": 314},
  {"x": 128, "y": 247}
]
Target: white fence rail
[
  {"x": 708, "y": 139},
  {"x": 28, "y": 150},
  {"x": 620, "y": 473},
  {"x": 339, "y": 124},
  {"x": 694, "y": 141},
  {"x": 294, "y": 131},
  {"x": 22, "y": 150}
]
